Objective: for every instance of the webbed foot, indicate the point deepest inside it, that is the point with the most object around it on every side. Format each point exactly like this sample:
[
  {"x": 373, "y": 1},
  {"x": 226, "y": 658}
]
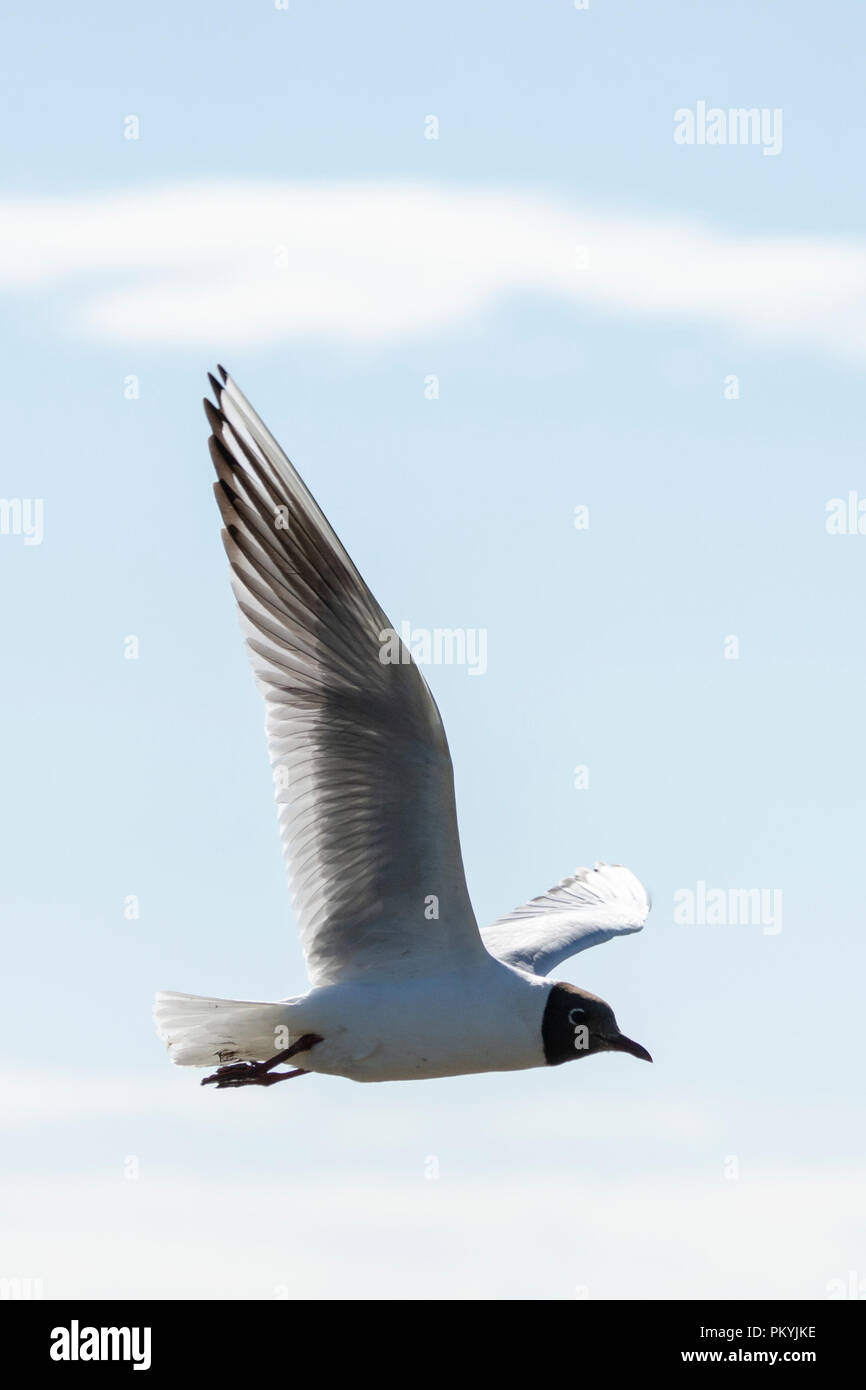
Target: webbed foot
[{"x": 262, "y": 1073}]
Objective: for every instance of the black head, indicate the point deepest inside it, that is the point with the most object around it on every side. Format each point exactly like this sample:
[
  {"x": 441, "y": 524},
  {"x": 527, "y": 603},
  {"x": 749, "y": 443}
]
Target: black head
[{"x": 576, "y": 1024}]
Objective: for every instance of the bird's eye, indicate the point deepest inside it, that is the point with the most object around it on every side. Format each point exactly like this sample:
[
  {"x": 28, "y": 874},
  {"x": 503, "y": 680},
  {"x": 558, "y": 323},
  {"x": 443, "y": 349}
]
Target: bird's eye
[{"x": 572, "y": 1012}]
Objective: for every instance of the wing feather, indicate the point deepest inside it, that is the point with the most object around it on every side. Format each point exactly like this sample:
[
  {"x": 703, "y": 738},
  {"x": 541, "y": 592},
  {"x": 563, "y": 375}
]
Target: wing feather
[
  {"x": 592, "y": 906},
  {"x": 363, "y": 774}
]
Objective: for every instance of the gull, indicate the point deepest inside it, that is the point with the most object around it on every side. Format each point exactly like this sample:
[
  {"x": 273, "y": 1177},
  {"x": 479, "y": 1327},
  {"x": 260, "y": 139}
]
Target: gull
[{"x": 404, "y": 985}]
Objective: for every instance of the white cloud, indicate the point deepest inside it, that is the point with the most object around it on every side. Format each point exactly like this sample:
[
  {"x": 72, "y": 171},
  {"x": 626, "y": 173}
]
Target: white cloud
[
  {"x": 186, "y": 1236},
  {"x": 33, "y": 1096},
  {"x": 247, "y": 262},
  {"x": 540, "y": 1191}
]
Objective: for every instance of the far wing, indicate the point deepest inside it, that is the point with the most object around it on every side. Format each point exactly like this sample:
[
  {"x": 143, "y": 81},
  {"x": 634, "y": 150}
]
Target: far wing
[
  {"x": 361, "y": 763},
  {"x": 592, "y": 906}
]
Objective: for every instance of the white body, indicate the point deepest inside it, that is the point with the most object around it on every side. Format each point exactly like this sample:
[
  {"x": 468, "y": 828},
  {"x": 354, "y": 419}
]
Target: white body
[
  {"x": 487, "y": 1019},
  {"x": 484, "y": 1019}
]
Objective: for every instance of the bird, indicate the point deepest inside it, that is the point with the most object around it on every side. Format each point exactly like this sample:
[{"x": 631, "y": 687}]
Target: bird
[{"x": 404, "y": 985}]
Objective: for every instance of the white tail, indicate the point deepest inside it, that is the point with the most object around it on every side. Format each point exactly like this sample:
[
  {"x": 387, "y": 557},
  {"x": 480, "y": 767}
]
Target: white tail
[{"x": 207, "y": 1032}]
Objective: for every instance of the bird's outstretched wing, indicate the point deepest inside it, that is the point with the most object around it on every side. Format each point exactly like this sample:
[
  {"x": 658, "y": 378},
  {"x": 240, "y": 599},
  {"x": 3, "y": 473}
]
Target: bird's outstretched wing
[
  {"x": 592, "y": 906},
  {"x": 362, "y": 771}
]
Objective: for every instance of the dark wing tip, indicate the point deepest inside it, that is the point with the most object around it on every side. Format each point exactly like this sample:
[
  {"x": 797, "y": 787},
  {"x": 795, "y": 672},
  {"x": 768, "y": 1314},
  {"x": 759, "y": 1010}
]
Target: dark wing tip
[
  {"x": 215, "y": 386},
  {"x": 214, "y": 416},
  {"x": 219, "y": 453},
  {"x": 222, "y": 371}
]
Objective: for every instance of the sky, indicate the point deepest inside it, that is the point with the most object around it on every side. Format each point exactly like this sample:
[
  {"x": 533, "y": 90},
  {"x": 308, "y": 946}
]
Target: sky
[{"x": 555, "y": 376}]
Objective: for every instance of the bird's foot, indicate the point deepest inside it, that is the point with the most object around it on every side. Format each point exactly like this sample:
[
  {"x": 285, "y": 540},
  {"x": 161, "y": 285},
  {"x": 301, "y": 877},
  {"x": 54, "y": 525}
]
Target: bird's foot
[
  {"x": 249, "y": 1074},
  {"x": 262, "y": 1073}
]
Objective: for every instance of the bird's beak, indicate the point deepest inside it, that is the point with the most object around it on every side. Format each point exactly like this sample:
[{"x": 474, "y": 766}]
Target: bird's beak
[{"x": 623, "y": 1044}]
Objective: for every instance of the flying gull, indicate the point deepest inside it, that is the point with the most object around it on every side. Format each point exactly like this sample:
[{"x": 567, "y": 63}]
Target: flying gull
[{"x": 400, "y": 990}]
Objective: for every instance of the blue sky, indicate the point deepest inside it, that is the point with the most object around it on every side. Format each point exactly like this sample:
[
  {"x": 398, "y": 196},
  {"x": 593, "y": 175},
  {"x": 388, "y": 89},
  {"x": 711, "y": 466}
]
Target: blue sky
[{"x": 564, "y": 379}]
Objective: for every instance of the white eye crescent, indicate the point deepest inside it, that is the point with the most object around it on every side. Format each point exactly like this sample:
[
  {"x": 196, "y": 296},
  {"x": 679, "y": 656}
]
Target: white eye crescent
[{"x": 571, "y": 1016}]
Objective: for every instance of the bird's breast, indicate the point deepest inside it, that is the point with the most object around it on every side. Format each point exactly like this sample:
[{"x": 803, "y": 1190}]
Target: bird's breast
[{"x": 489, "y": 1020}]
